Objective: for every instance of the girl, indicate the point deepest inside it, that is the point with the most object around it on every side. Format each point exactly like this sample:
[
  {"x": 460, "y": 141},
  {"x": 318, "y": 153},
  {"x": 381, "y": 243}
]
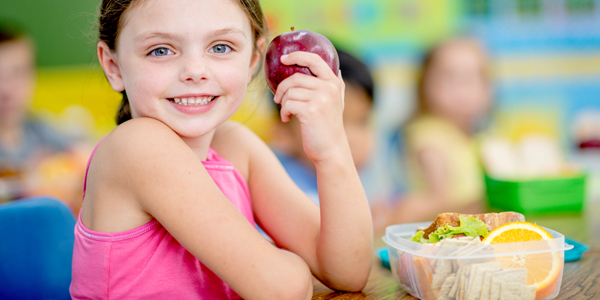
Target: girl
[
  {"x": 454, "y": 94},
  {"x": 167, "y": 211}
]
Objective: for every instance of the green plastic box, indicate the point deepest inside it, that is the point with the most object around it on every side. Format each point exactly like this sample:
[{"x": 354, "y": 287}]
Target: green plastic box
[{"x": 560, "y": 194}]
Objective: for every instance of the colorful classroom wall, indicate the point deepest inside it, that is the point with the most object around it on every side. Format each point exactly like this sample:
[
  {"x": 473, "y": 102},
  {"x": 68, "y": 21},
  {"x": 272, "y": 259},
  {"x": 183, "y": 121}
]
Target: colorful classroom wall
[{"x": 545, "y": 54}]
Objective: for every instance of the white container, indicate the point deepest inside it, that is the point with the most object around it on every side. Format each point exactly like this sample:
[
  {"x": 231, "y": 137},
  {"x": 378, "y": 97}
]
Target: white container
[{"x": 421, "y": 269}]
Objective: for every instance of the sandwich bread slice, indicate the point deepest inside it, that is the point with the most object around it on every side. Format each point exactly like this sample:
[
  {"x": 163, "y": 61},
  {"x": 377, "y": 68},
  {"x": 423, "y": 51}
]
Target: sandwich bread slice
[{"x": 492, "y": 220}]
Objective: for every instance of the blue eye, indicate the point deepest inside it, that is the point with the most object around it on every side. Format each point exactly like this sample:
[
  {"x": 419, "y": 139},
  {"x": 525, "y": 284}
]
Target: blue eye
[
  {"x": 161, "y": 52},
  {"x": 220, "y": 48}
]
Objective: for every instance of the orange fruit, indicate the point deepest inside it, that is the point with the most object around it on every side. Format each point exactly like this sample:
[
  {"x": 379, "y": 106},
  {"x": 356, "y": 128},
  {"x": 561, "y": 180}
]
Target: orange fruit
[{"x": 543, "y": 269}]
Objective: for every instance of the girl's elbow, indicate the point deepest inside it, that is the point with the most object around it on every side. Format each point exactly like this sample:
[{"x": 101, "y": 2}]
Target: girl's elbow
[
  {"x": 353, "y": 281},
  {"x": 296, "y": 284},
  {"x": 295, "y": 290},
  {"x": 354, "y": 284},
  {"x": 357, "y": 284}
]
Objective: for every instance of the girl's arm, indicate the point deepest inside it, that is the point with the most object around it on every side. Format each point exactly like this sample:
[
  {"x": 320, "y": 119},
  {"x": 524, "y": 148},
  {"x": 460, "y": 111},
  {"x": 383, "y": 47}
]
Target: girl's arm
[
  {"x": 166, "y": 179},
  {"x": 429, "y": 203},
  {"x": 437, "y": 195},
  {"x": 336, "y": 240}
]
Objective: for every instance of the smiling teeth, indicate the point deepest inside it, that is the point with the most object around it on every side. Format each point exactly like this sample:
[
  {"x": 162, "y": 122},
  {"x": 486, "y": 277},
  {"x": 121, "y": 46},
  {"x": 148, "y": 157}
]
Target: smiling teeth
[{"x": 193, "y": 100}]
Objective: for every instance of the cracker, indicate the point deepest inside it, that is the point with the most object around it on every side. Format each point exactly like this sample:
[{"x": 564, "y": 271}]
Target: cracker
[
  {"x": 487, "y": 284},
  {"x": 443, "y": 269},
  {"x": 448, "y": 247},
  {"x": 474, "y": 249},
  {"x": 518, "y": 275},
  {"x": 476, "y": 280},
  {"x": 446, "y": 287},
  {"x": 476, "y": 277},
  {"x": 512, "y": 275},
  {"x": 454, "y": 290},
  {"x": 463, "y": 286},
  {"x": 495, "y": 290},
  {"x": 515, "y": 290}
]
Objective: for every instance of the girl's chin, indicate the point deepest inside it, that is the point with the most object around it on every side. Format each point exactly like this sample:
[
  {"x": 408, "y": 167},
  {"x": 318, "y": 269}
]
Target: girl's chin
[
  {"x": 190, "y": 134},
  {"x": 193, "y": 130}
]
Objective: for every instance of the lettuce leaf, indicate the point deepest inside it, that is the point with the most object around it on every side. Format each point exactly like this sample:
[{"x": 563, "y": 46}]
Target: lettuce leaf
[
  {"x": 418, "y": 237},
  {"x": 468, "y": 226}
]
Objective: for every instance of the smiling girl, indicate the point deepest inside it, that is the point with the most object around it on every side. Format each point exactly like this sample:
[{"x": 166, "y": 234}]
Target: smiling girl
[{"x": 173, "y": 194}]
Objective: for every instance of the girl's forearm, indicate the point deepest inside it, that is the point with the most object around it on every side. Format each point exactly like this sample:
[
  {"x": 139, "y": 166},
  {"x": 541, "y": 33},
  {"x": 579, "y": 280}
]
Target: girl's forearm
[{"x": 344, "y": 246}]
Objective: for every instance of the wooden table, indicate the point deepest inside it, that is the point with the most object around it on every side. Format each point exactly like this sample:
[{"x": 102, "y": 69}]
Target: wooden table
[{"x": 581, "y": 279}]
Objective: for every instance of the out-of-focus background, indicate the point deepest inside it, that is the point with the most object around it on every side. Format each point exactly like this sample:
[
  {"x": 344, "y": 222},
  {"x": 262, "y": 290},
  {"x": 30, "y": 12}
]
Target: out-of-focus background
[{"x": 545, "y": 58}]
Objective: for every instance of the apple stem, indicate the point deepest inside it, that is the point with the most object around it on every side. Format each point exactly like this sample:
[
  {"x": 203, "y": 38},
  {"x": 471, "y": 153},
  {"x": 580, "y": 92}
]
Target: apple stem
[{"x": 292, "y": 28}]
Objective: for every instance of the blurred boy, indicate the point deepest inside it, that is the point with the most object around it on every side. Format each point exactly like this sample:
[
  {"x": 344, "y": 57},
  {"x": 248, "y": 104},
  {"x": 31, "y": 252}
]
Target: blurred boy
[
  {"x": 287, "y": 139},
  {"x": 23, "y": 139}
]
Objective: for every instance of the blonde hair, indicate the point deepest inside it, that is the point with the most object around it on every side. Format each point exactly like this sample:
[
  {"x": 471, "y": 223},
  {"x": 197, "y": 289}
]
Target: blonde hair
[{"x": 428, "y": 62}]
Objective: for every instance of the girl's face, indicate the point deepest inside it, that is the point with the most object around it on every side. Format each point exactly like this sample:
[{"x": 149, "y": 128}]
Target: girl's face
[
  {"x": 170, "y": 52},
  {"x": 17, "y": 80},
  {"x": 456, "y": 85}
]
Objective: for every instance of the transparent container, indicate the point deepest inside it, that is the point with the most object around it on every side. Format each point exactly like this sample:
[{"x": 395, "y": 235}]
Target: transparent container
[{"x": 477, "y": 271}]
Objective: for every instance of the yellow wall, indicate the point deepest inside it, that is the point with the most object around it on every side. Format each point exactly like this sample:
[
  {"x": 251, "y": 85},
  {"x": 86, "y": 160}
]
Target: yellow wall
[{"x": 62, "y": 92}]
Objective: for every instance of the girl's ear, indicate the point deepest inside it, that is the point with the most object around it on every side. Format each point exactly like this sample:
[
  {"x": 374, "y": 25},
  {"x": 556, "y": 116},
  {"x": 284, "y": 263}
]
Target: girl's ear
[
  {"x": 260, "y": 45},
  {"x": 109, "y": 64}
]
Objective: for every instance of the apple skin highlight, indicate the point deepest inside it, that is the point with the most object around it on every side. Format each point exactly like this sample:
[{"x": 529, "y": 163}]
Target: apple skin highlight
[{"x": 292, "y": 41}]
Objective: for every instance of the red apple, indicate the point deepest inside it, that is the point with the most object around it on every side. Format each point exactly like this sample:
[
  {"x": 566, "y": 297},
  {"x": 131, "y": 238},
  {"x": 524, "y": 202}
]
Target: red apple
[{"x": 299, "y": 40}]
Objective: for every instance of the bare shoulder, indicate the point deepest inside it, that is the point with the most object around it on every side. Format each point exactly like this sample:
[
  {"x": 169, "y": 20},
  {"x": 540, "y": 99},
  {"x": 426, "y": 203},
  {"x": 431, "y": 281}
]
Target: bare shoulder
[
  {"x": 126, "y": 165},
  {"x": 141, "y": 132},
  {"x": 137, "y": 144}
]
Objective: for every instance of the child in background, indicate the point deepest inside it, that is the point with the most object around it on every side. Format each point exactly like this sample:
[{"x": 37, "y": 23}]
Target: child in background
[
  {"x": 24, "y": 140},
  {"x": 173, "y": 193},
  {"x": 287, "y": 137},
  {"x": 454, "y": 94}
]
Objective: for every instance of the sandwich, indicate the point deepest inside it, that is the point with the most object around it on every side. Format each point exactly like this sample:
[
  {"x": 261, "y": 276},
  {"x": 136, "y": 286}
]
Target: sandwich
[{"x": 455, "y": 225}]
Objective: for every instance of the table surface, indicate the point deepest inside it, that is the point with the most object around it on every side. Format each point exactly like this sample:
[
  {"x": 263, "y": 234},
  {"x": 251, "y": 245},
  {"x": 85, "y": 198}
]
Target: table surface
[{"x": 580, "y": 278}]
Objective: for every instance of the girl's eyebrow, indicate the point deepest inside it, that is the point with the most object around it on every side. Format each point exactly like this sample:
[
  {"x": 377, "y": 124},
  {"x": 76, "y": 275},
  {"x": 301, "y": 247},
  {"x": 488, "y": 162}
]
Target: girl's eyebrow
[
  {"x": 156, "y": 34},
  {"x": 225, "y": 31},
  {"x": 170, "y": 36}
]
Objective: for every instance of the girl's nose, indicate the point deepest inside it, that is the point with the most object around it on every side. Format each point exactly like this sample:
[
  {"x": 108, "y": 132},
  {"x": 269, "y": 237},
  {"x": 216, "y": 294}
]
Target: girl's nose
[{"x": 194, "y": 69}]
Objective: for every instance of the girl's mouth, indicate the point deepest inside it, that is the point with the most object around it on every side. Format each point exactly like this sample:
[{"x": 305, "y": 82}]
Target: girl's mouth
[{"x": 193, "y": 101}]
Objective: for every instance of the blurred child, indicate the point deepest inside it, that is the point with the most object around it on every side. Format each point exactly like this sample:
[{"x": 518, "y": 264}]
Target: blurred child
[
  {"x": 454, "y": 94},
  {"x": 24, "y": 140},
  {"x": 173, "y": 193},
  {"x": 287, "y": 137}
]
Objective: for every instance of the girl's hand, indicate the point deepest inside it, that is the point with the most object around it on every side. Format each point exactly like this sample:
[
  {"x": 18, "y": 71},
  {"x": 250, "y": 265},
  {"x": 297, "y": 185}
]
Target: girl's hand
[{"x": 317, "y": 102}]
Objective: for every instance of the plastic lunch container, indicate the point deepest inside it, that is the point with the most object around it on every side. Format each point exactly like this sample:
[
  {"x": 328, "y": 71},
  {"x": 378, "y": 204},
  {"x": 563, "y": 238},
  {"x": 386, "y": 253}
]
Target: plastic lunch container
[
  {"x": 559, "y": 194},
  {"x": 420, "y": 269}
]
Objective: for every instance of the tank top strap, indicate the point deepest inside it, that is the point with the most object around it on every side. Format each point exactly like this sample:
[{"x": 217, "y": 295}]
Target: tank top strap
[
  {"x": 88, "y": 166},
  {"x": 213, "y": 156}
]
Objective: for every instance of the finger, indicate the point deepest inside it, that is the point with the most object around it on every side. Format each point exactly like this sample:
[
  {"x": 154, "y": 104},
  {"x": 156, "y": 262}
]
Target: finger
[
  {"x": 290, "y": 108},
  {"x": 343, "y": 89},
  {"x": 296, "y": 80},
  {"x": 310, "y": 60},
  {"x": 297, "y": 94}
]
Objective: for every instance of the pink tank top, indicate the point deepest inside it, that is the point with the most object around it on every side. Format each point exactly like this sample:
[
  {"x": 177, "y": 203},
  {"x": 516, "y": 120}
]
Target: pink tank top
[{"x": 147, "y": 262}]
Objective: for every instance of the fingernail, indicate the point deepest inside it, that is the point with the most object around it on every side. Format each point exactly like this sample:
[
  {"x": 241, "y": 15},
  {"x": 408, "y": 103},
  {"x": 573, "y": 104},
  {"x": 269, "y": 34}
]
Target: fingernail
[{"x": 284, "y": 56}]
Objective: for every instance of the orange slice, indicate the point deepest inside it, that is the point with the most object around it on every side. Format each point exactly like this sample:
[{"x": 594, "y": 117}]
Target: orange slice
[{"x": 543, "y": 269}]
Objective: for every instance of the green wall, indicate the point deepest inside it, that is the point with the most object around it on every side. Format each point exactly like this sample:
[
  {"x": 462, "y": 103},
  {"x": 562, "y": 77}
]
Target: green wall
[{"x": 63, "y": 30}]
